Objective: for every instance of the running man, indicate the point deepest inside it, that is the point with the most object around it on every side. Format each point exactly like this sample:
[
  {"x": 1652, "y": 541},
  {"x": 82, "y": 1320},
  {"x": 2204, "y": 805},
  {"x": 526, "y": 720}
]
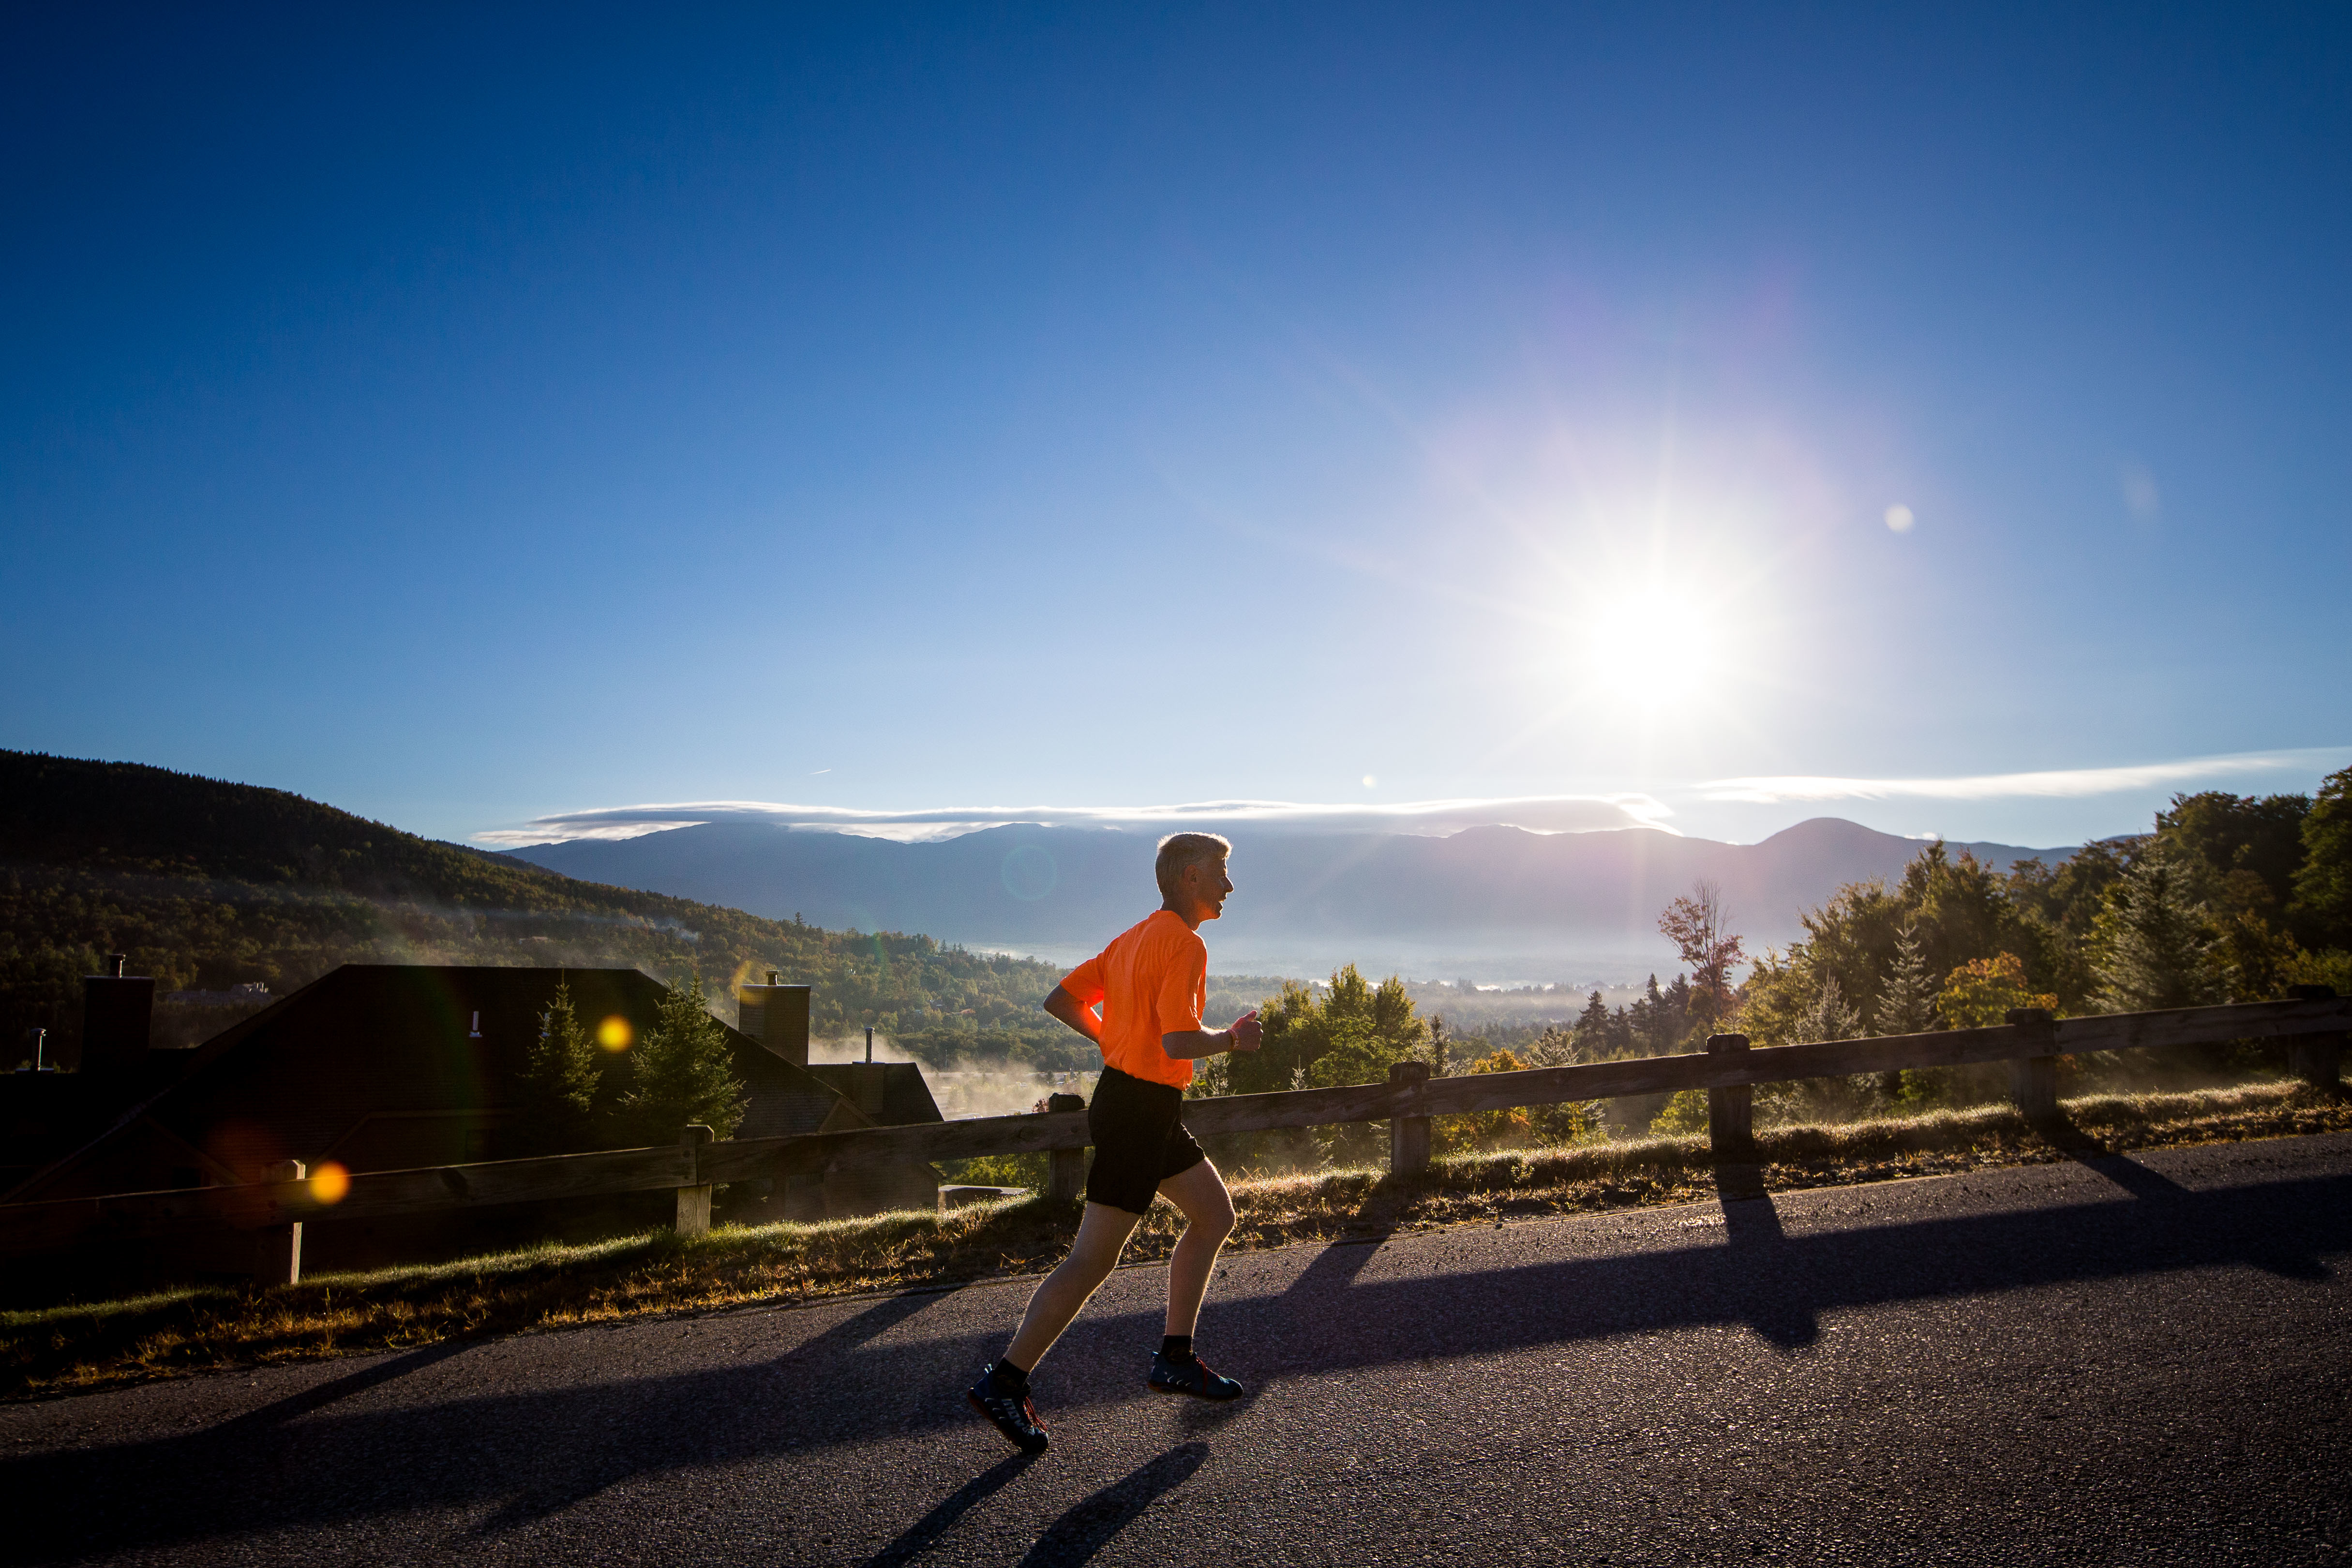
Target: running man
[{"x": 1151, "y": 983}]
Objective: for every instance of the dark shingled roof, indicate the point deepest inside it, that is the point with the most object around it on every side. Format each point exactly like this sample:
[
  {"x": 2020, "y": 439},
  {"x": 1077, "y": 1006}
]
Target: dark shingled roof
[
  {"x": 890, "y": 1093},
  {"x": 394, "y": 1041}
]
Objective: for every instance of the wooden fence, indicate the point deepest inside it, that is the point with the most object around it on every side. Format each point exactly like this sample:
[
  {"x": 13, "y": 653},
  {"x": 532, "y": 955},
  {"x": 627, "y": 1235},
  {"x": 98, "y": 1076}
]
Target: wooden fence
[{"x": 2312, "y": 1023}]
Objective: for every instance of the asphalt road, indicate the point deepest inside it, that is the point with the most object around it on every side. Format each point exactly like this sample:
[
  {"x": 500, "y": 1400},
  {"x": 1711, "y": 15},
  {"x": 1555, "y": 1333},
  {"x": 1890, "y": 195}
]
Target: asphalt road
[{"x": 2135, "y": 1361}]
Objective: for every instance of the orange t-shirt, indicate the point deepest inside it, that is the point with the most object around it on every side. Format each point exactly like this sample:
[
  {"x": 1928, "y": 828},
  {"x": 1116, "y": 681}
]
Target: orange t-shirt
[{"x": 1153, "y": 979}]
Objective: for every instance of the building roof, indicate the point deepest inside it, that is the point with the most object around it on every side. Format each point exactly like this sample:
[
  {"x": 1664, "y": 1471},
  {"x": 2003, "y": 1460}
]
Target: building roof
[
  {"x": 378, "y": 1041},
  {"x": 893, "y": 1093}
]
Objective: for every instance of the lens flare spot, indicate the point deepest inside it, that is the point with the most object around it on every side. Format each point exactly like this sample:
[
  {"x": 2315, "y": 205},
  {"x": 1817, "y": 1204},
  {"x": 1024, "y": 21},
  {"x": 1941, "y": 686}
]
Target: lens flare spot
[
  {"x": 1030, "y": 874},
  {"x": 1899, "y": 519},
  {"x": 615, "y": 1033},
  {"x": 330, "y": 1183}
]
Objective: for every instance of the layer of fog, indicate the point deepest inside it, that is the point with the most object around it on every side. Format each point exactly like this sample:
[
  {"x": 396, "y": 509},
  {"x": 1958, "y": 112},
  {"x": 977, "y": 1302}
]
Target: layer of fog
[{"x": 964, "y": 1087}]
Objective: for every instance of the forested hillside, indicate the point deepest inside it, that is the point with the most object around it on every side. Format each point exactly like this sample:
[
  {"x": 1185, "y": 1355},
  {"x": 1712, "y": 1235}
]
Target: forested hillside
[
  {"x": 207, "y": 885},
  {"x": 2230, "y": 898}
]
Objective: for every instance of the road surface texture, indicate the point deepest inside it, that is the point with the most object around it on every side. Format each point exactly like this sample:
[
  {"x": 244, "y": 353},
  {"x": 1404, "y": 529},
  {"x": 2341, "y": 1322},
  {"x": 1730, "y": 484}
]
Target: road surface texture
[{"x": 2138, "y": 1361}]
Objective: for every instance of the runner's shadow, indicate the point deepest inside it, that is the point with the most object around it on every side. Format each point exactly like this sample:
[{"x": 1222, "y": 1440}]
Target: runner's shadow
[
  {"x": 870, "y": 1324},
  {"x": 918, "y": 1537},
  {"x": 1097, "y": 1520}
]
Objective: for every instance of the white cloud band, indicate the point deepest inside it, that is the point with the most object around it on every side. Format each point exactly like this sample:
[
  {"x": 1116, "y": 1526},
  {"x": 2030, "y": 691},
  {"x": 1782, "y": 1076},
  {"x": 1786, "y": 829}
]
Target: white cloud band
[
  {"x": 2065, "y": 782},
  {"x": 1537, "y": 813}
]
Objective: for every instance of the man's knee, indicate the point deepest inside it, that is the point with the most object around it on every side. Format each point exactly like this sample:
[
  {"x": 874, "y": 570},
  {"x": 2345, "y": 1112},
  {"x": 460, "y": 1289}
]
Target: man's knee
[{"x": 1215, "y": 1218}]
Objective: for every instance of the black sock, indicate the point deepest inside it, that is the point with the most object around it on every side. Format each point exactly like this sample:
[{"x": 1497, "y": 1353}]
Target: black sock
[
  {"x": 1177, "y": 1346},
  {"x": 1006, "y": 1373}
]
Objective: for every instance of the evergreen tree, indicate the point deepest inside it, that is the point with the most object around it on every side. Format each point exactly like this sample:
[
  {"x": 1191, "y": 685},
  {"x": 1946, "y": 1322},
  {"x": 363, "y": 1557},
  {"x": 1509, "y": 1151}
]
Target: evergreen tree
[
  {"x": 1658, "y": 1018},
  {"x": 2151, "y": 943},
  {"x": 1592, "y": 1030},
  {"x": 1677, "y": 1008},
  {"x": 1907, "y": 999},
  {"x": 1642, "y": 1018},
  {"x": 2322, "y": 884},
  {"x": 680, "y": 1073},
  {"x": 1555, "y": 1047},
  {"x": 1830, "y": 1017},
  {"x": 559, "y": 1080}
]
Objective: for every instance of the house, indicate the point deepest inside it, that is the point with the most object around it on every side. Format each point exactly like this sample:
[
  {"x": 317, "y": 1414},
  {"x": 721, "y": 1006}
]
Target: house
[
  {"x": 886, "y": 1094},
  {"x": 392, "y": 1067}
]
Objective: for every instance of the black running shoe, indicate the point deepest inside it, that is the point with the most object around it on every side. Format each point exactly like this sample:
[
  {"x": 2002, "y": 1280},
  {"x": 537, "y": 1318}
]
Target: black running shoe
[
  {"x": 1191, "y": 1375},
  {"x": 1011, "y": 1411}
]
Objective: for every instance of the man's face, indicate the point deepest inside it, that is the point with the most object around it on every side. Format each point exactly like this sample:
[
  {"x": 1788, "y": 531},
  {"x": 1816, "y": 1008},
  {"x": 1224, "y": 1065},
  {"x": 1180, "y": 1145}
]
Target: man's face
[{"x": 1205, "y": 886}]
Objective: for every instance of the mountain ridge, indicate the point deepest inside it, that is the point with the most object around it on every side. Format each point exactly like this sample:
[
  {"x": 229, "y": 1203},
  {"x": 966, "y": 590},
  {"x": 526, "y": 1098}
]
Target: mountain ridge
[{"x": 1053, "y": 887}]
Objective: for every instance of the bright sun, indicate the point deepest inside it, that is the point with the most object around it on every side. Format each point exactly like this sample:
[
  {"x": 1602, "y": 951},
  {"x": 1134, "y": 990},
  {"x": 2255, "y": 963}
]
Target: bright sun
[{"x": 1645, "y": 649}]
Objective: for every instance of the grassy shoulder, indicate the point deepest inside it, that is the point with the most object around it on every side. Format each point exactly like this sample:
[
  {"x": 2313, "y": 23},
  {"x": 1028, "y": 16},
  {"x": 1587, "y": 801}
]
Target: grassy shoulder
[{"x": 70, "y": 1349}]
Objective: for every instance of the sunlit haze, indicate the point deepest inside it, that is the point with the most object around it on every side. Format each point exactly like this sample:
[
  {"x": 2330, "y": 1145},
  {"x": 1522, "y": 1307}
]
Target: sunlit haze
[{"x": 1700, "y": 420}]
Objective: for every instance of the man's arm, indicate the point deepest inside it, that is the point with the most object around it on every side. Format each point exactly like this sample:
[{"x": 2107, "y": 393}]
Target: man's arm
[
  {"x": 1075, "y": 1013},
  {"x": 1194, "y": 1043}
]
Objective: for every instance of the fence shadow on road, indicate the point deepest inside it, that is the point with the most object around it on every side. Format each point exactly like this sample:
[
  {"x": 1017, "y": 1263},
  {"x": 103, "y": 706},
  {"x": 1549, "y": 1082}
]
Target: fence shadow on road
[
  {"x": 320, "y": 1396},
  {"x": 306, "y": 1462}
]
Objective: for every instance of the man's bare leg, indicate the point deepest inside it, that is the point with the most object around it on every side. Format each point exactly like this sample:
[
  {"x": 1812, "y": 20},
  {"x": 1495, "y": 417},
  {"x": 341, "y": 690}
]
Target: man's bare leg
[
  {"x": 1208, "y": 1210},
  {"x": 1102, "y": 1236}
]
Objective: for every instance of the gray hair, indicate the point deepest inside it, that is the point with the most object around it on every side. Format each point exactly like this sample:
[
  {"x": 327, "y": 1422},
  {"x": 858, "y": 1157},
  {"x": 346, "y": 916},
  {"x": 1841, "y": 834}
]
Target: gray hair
[{"x": 1178, "y": 850}]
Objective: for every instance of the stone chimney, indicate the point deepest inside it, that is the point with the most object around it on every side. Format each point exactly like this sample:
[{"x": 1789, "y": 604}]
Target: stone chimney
[
  {"x": 777, "y": 1017},
  {"x": 116, "y": 1013}
]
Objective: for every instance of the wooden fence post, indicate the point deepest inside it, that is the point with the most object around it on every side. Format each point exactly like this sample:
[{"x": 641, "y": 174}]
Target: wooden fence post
[
  {"x": 278, "y": 1248},
  {"x": 2033, "y": 1079},
  {"x": 1065, "y": 1169},
  {"x": 2316, "y": 1059},
  {"x": 1408, "y": 1135},
  {"x": 694, "y": 1200},
  {"x": 1731, "y": 1113}
]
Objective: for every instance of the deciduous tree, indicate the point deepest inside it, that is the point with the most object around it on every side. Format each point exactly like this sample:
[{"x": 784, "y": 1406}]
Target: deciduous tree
[
  {"x": 1980, "y": 992},
  {"x": 1695, "y": 924}
]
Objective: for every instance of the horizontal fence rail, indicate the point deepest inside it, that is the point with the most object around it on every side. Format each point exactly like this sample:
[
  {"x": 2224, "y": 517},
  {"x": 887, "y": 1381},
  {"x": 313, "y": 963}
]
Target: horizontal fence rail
[{"x": 2315, "y": 1026}]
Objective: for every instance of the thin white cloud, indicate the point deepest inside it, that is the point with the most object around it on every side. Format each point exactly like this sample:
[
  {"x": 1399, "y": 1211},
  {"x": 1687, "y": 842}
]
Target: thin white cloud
[
  {"x": 2062, "y": 782},
  {"x": 1536, "y": 813}
]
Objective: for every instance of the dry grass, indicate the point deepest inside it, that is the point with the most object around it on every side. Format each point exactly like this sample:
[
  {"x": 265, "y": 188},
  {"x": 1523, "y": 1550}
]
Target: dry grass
[{"x": 72, "y": 1348}]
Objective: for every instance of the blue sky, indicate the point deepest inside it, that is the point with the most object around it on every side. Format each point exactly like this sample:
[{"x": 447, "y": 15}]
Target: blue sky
[{"x": 466, "y": 417}]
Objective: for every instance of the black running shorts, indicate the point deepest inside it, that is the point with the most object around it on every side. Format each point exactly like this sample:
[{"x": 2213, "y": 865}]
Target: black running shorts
[{"x": 1138, "y": 1128}]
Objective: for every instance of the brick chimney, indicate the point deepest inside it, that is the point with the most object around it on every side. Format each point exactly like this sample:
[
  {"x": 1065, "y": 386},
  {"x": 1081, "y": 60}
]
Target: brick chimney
[
  {"x": 777, "y": 1017},
  {"x": 116, "y": 1011}
]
